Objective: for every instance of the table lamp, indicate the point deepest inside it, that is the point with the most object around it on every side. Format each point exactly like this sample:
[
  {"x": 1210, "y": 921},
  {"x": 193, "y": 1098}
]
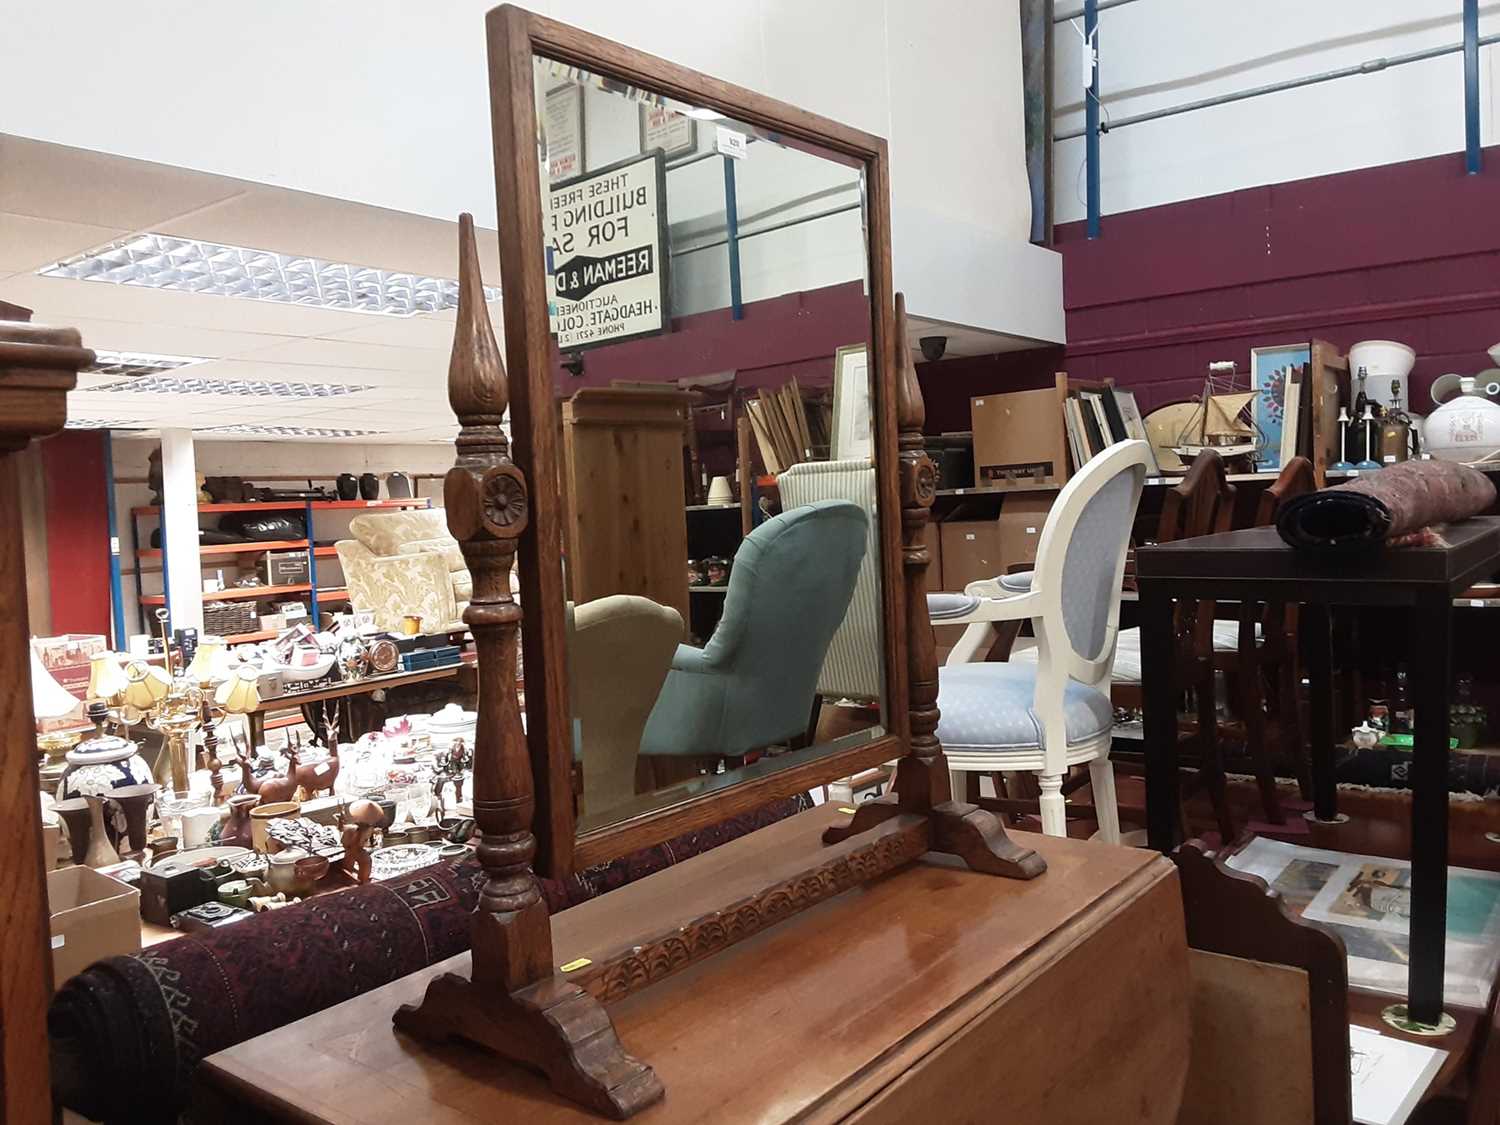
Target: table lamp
[{"x": 50, "y": 700}]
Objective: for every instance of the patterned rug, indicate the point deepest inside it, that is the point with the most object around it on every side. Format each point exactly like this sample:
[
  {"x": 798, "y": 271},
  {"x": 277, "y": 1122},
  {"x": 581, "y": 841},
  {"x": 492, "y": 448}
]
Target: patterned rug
[{"x": 128, "y": 1031}]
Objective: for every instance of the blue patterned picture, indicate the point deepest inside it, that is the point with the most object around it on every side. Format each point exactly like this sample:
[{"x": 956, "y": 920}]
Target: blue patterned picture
[{"x": 1272, "y": 372}]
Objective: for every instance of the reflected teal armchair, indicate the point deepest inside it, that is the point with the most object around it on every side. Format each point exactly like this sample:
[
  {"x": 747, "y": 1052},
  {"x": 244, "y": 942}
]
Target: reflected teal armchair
[{"x": 752, "y": 685}]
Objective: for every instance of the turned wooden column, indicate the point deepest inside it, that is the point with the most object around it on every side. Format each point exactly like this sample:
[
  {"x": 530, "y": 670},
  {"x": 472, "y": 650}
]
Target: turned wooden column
[
  {"x": 38, "y": 366},
  {"x": 513, "y": 1002}
]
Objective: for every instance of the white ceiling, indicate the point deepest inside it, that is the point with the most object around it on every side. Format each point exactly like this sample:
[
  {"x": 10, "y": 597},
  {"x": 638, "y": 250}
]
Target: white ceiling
[{"x": 56, "y": 201}]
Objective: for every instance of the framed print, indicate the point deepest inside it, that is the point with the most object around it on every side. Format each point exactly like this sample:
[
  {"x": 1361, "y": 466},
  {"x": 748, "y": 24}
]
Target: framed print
[
  {"x": 851, "y": 404},
  {"x": 1275, "y": 371},
  {"x": 564, "y": 132},
  {"x": 1135, "y": 427},
  {"x": 607, "y": 254},
  {"x": 676, "y": 134}
]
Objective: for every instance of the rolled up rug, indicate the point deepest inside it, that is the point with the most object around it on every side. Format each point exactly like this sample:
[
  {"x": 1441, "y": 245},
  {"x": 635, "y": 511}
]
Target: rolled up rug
[
  {"x": 127, "y": 1032},
  {"x": 1371, "y": 511}
]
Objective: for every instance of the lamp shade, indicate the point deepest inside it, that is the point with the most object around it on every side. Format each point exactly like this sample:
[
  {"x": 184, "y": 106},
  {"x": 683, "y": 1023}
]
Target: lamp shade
[
  {"x": 49, "y": 699},
  {"x": 210, "y": 661},
  {"x": 239, "y": 693},
  {"x": 106, "y": 678},
  {"x": 148, "y": 685}
]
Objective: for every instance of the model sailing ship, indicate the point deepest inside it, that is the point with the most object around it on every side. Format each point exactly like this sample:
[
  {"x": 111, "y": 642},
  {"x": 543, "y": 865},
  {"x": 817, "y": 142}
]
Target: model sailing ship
[{"x": 1222, "y": 419}]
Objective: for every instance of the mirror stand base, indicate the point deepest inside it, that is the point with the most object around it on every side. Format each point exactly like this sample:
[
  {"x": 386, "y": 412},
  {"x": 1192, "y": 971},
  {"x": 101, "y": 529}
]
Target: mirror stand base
[
  {"x": 551, "y": 1026},
  {"x": 977, "y": 837}
]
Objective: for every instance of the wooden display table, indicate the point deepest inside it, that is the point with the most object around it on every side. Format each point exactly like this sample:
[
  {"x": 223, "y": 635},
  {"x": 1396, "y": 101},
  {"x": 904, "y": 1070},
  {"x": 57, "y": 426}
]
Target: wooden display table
[
  {"x": 294, "y": 699},
  {"x": 933, "y": 986},
  {"x": 1255, "y": 565}
]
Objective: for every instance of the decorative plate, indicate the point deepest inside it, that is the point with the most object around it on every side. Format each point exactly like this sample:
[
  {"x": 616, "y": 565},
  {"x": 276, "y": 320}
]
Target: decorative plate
[{"x": 388, "y": 863}]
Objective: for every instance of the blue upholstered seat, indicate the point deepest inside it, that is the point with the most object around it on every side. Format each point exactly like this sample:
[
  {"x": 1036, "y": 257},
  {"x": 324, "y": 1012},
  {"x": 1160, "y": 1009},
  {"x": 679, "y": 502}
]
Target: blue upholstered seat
[
  {"x": 1019, "y": 582},
  {"x": 988, "y": 706},
  {"x": 752, "y": 685}
]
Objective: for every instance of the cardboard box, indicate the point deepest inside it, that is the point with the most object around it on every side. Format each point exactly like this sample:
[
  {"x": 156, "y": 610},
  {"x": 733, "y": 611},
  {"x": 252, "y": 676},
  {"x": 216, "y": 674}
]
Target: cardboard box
[
  {"x": 1020, "y": 527},
  {"x": 1019, "y": 439},
  {"x": 93, "y": 916},
  {"x": 971, "y": 552}
]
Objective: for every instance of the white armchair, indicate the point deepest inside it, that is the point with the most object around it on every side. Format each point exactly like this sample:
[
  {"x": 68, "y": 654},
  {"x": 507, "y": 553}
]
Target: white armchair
[{"x": 1052, "y": 714}]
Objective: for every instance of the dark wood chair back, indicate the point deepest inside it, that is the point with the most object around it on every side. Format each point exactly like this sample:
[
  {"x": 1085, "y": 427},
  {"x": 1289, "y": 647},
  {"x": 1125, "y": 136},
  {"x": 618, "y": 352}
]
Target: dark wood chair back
[
  {"x": 1202, "y": 503},
  {"x": 1234, "y": 915},
  {"x": 1295, "y": 478}
]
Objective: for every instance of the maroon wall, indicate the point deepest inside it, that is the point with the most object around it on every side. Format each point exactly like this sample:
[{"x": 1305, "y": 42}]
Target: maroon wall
[
  {"x": 777, "y": 338},
  {"x": 1407, "y": 252},
  {"x": 77, "y": 531}
]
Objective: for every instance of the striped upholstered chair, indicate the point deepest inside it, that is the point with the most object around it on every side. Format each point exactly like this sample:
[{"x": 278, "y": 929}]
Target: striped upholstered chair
[{"x": 852, "y": 669}]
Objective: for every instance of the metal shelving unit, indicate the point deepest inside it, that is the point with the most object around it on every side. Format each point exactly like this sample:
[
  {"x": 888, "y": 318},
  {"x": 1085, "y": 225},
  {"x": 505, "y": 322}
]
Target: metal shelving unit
[{"x": 220, "y": 550}]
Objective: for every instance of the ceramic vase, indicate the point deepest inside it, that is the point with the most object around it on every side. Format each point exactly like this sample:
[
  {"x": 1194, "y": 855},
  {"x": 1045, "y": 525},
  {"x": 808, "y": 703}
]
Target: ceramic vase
[
  {"x": 101, "y": 852},
  {"x": 369, "y": 486},
  {"x": 237, "y": 832},
  {"x": 347, "y": 485}
]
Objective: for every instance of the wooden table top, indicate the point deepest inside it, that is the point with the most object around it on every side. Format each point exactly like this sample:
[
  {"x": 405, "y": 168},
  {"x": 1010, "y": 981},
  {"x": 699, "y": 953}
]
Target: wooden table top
[
  {"x": 368, "y": 684},
  {"x": 762, "y": 1031},
  {"x": 1259, "y": 554}
]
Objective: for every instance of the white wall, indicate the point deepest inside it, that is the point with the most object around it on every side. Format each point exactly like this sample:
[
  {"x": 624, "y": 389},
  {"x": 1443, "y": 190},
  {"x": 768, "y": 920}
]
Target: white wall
[
  {"x": 1159, "y": 53},
  {"x": 386, "y": 102}
]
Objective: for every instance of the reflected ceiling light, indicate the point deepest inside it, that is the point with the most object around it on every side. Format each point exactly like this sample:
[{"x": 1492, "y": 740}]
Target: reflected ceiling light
[
  {"x": 135, "y": 364},
  {"x": 162, "y": 261},
  {"x": 288, "y": 431},
  {"x": 235, "y": 388},
  {"x": 103, "y": 424}
]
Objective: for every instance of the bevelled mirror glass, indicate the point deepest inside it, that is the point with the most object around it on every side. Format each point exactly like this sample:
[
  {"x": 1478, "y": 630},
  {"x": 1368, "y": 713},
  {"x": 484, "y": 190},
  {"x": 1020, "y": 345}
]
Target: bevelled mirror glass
[{"x": 708, "y": 298}]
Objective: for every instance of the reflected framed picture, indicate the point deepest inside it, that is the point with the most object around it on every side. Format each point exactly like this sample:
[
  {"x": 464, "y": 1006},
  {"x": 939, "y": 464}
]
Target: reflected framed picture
[
  {"x": 853, "y": 434},
  {"x": 1276, "y": 376},
  {"x": 676, "y": 134}
]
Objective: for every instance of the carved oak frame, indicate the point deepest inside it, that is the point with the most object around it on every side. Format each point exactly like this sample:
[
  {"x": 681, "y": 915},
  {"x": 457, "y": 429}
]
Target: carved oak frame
[
  {"x": 515, "y": 36},
  {"x": 517, "y": 1001}
]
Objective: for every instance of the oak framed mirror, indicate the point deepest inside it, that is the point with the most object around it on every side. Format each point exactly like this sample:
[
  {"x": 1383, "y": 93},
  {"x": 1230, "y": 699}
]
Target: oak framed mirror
[{"x": 696, "y": 284}]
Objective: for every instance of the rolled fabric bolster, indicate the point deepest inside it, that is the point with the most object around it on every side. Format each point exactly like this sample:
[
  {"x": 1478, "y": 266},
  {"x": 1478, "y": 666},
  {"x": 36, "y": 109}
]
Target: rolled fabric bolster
[{"x": 1365, "y": 512}]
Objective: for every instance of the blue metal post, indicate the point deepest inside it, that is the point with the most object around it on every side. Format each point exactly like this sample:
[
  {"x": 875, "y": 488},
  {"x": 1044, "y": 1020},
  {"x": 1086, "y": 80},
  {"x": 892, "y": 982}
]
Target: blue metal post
[
  {"x": 1091, "y": 114},
  {"x": 166, "y": 585},
  {"x": 732, "y": 234},
  {"x": 312, "y": 565},
  {"x": 116, "y": 590},
  {"x": 1473, "y": 159}
]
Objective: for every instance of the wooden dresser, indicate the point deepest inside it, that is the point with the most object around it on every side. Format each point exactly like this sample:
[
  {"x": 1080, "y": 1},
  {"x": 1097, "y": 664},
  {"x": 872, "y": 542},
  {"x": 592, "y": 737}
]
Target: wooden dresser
[{"x": 931, "y": 994}]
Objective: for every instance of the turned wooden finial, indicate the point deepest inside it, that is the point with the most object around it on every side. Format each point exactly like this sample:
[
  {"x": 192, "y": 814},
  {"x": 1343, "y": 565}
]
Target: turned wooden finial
[
  {"x": 486, "y": 500},
  {"x": 911, "y": 411},
  {"x": 477, "y": 386}
]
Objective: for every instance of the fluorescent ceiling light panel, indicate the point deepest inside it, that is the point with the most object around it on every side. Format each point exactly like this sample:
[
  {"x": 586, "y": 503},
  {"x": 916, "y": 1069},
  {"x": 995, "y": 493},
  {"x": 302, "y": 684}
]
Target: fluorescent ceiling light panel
[
  {"x": 134, "y": 364},
  {"x": 162, "y": 261},
  {"x": 103, "y": 424},
  {"x": 235, "y": 388},
  {"x": 253, "y": 428}
]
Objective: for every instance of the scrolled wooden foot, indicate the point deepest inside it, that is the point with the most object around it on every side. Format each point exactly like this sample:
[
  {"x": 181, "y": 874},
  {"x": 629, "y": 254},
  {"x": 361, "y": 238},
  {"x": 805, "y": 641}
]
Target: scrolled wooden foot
[
  {"x": 551, "y": 1026},
  {"x": 979, "y": 839},
  {"x": 866, "y": 817}
]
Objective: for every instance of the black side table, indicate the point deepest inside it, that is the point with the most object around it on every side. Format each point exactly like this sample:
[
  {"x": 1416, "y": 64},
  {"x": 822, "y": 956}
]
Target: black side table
[{"x": 1254, "y": 565}]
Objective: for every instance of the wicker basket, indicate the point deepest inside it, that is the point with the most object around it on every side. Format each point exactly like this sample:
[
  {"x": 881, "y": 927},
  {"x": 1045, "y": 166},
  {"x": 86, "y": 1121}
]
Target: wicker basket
[{"x": 229, "y": 617}]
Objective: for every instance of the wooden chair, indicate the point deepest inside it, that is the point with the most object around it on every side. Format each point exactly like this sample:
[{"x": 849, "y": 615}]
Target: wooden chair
[
  {"x": 1265, "y": 652},
  {"x": 1270, "y": 1004},
  {"x": 1202, "y": 503}
]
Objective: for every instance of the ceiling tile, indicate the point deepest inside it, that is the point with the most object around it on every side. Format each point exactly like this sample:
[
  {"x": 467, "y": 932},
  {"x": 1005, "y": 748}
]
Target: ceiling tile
[
  {"x": 348, "y": 353},
  {"x": 28, "y": 243},
  {"x": 76, "y": 185}
]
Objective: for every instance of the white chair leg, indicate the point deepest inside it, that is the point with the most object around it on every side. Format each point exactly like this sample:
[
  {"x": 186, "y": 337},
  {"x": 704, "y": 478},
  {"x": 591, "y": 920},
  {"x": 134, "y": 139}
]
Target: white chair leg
[
  {"x": 1054, "y": 816},
  {"x": 1102, "y": 782},
  {"x": 956, "y": 784}
]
